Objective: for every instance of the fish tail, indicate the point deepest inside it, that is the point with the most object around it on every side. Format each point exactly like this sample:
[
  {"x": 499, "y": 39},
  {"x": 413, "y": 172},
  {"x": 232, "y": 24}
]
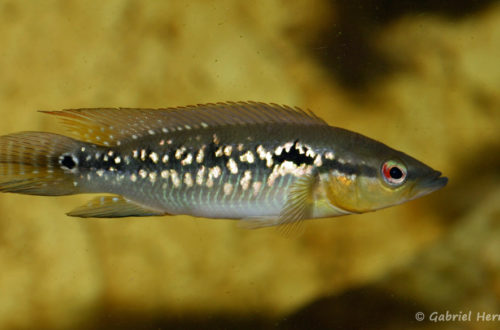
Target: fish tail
[{"x": 36, "y": 163}]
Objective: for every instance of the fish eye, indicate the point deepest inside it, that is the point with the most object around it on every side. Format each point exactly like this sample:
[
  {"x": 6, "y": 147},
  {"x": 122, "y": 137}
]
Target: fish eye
[{"x": 394, "y": 173}]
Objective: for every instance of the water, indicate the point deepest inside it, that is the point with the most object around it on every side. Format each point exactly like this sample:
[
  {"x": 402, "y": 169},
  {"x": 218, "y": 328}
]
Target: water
[{"x": 421, "y": 77}]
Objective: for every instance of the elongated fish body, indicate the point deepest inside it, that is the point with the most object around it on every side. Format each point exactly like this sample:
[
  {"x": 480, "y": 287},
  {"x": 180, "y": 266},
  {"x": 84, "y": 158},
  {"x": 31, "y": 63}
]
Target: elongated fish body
[{"x": 265, "y": 163}]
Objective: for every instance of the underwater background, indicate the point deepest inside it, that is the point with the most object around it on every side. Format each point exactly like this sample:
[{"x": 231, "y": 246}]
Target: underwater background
[{"x": 421, "y": 76}]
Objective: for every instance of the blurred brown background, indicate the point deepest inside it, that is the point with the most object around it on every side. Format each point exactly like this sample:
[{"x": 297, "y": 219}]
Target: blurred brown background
[{"x": 421, "y": 76}]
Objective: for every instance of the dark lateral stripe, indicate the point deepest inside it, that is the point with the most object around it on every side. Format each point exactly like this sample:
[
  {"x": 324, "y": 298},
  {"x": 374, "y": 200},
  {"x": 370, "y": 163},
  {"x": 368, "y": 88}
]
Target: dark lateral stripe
[
  {"x": 293, "y": 155},
  {"x": 350, "y": 169}
]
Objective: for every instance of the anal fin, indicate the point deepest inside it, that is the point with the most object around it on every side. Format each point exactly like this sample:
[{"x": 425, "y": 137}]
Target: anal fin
[{"x": 112, "y": 207}]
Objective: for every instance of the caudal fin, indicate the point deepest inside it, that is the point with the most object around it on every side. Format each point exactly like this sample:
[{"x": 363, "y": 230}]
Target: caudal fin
[{"x": 30, "y": 163}]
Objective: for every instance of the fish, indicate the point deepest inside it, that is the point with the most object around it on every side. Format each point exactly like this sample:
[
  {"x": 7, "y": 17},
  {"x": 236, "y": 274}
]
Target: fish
[{"x": 263, "y": 164}]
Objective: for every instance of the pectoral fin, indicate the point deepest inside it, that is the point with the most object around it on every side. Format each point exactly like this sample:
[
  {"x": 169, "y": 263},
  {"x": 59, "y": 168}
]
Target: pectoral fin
[
  {"x": 298, "y": 205},
  {"x": 112, "y": 207}
]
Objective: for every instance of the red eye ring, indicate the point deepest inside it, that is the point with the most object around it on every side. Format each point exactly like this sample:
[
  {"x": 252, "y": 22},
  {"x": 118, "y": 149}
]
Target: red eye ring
[{"x": 394, "y": 173}]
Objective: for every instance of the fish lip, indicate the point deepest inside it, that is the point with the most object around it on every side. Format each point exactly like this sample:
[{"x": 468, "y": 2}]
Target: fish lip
[{"x": 430, "y": 184}]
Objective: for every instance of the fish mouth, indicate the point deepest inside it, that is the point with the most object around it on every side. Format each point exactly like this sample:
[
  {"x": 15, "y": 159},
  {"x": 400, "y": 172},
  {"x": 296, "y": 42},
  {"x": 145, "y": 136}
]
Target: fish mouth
[{"x": 429, "y": 184}]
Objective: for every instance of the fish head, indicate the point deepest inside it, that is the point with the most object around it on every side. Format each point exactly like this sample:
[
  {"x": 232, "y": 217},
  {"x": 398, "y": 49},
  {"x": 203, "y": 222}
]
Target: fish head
[{"x": 381, "y": 179}]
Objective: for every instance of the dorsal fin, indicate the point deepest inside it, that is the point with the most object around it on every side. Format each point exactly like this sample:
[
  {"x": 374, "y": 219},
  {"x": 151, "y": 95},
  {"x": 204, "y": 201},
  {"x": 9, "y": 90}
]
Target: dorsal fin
[{"x": 113, "y": 126}]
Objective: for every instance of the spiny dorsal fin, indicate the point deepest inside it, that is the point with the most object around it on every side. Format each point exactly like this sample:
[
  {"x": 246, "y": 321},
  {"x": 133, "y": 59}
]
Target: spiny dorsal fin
[
  {"x": 113, "y": 126},
  {"x": 112, "y": 207}
]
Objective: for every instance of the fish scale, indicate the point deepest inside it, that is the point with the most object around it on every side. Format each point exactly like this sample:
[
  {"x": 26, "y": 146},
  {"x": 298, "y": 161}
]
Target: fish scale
[{"x": 264, "y": 163}]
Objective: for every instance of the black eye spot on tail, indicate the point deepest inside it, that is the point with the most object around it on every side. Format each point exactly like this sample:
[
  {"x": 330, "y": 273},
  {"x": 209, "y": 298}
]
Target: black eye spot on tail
[{"x": 68, "y": 161}]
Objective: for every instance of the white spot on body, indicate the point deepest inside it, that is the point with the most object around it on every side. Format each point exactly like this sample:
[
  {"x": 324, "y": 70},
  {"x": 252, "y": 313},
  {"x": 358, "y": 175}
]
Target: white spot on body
[
  {"x": 247, "y": 157},
  {"x": 287, "y": 146},
  {"x": 310, "y": 153},
  {"x": 118, "y": 160},
  {"x": 143, "y": 174},
  {"x": 179, "y": 152},
  {"x": 152, "y": 177},
  {"x": 175, "y": 178},
  {"x": 245, "y": 181},
  {"x": 200, "y": 155},
  {"x": 228, "y": 150},
  {"x": 143, "y": 154},
  {"x": 300, "y": 148},
  {"x": 154, "y": 157},
  {"x": 100, "y": 173},
  {"x": 256, "y": 187},
  {"x": 164, "y": 174},
  {"x": 188, "y": 160},
  {"x": 288, "y": 167},
  {"x": 261, "y": 151},
  {"x": 214, "y": 172},
  {"x": 164, "y": 159},
  {"x": 318, "y": 161},
  {"x": 228, "y": 188},
  {"x": 200, "y": 175},
  {"x": 329, "y": 155},
  {"x": 269, "y": 159},
  {"x": 188, "y": 179},
  {"x": 232, "y": 166},
  {"x": 133, "y": 177}
]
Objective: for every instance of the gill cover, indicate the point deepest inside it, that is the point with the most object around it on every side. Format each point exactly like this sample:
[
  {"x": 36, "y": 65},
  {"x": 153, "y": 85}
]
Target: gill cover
[{"x": 360, "y": 193}]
